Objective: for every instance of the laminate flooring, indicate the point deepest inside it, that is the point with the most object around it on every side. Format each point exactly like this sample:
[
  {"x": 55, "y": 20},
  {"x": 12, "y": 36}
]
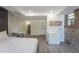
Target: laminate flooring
[{"x": 44, "y": 47}]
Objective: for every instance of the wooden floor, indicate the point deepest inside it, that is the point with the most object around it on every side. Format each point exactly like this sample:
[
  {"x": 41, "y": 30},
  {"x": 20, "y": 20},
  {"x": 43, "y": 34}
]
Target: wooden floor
[{"x": 54, "y": 48}]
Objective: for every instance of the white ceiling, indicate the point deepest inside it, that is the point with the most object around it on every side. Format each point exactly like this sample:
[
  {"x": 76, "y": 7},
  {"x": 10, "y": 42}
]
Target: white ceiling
[
  {"x": 38, "y": 11},
  {"x": 69, "y": 10},
  {"x": 24, "y": 10}
]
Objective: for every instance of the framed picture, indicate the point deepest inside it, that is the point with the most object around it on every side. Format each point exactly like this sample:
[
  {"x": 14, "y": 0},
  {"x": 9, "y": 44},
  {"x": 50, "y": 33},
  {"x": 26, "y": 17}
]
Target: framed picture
[{"x": 55, "y": 23}]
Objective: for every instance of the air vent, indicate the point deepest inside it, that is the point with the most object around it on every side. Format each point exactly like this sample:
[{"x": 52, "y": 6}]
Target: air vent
[{"x": 17, "y": 13}]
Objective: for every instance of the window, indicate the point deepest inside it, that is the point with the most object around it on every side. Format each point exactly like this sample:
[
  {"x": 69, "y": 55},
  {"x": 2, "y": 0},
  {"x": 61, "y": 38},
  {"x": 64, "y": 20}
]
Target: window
[{"x": 70, "y": 19}]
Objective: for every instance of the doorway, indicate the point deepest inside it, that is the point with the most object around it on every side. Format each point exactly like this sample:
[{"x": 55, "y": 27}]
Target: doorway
[
  {"x": 29, "y": 29},
  {"x": 36, "y": 25}
]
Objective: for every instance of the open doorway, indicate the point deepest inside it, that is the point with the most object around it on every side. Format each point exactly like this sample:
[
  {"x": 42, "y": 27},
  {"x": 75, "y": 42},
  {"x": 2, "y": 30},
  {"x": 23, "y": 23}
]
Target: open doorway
[
  {"x": 36, "y": 25},
  {"x": 28, "y": 27}
]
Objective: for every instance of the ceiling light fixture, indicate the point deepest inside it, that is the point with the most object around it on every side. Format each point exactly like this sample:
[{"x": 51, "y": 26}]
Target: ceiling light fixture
[
  {"x": 31, "y": 14},
  {"x": 50, "y": 16}
]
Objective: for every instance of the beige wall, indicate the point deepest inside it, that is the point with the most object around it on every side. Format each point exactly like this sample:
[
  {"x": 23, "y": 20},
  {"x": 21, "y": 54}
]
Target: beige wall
[
  {"x": 35, "y": 27},
  {"x": 38, "y": 27},
  {"x": 15, "y": 24}
]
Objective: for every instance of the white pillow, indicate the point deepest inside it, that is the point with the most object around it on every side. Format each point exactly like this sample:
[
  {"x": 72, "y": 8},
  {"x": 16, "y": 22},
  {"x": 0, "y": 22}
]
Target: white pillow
[{"x": 3, "y": 34}]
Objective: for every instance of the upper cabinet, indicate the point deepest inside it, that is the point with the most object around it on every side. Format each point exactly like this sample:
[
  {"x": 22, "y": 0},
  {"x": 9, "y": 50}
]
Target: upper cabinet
[
  {"x": 72, "y": 20},
  {"x": 76, "y": 13}
]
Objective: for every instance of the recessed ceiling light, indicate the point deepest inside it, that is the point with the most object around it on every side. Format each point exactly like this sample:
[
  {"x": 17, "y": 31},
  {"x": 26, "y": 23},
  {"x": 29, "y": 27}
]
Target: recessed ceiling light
[
  {"x": 50, "y": 15},
  {"x": 31, "y": 14}
]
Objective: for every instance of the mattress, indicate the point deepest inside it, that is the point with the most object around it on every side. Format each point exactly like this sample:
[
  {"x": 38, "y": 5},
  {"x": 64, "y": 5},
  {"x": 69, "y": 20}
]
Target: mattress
[{"x": 19, "y": 45}]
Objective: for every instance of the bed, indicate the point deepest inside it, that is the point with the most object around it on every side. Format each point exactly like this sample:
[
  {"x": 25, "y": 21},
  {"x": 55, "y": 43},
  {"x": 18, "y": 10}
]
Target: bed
[
  {"x": 17, "y": 45},
  {"x": 14, "y": 44}
]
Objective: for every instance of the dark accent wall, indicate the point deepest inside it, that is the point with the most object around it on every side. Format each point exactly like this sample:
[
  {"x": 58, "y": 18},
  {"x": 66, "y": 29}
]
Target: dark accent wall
[{"x": 3, "y": 19}]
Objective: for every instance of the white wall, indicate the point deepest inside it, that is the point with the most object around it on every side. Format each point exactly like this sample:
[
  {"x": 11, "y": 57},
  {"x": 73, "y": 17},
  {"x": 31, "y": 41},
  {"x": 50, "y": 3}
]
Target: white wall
[
  {"x": 61, "y": 28},
  {"x": 55, "y": 34},
  {"x": 15, "y": 24}
]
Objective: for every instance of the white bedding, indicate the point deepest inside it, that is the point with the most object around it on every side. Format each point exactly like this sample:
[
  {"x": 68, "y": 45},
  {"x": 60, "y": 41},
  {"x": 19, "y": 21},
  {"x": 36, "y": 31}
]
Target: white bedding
[{"x": 18, "y": 45}]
